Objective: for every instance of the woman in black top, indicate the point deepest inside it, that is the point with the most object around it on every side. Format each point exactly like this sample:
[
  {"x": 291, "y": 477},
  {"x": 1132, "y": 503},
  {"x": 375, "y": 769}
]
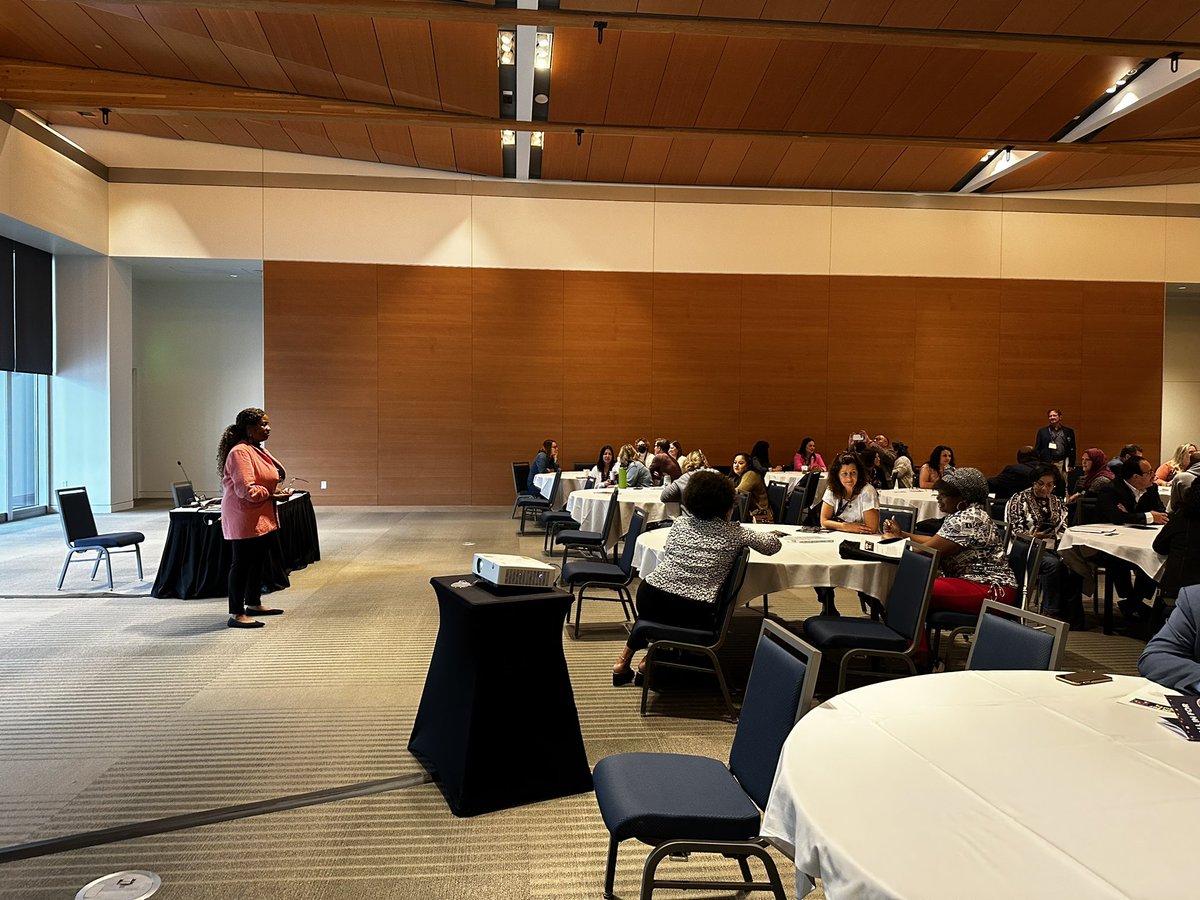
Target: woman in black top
[{"x": 1179, "y": 541}]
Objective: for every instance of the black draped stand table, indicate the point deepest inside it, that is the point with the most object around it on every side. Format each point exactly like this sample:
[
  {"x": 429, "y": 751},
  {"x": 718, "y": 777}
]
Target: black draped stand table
[
  {"x": 497, "y": 725},
  {"x": 196, "y": 558}
]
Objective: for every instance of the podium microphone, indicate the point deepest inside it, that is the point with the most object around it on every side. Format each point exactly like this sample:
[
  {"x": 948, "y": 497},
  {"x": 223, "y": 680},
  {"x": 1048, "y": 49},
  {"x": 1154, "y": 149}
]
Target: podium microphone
[{"x": 198, "y": 499}]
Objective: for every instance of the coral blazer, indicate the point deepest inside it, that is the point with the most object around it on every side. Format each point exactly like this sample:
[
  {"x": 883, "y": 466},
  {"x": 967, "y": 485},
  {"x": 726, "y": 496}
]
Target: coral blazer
[{"x": 249, "y": 482}]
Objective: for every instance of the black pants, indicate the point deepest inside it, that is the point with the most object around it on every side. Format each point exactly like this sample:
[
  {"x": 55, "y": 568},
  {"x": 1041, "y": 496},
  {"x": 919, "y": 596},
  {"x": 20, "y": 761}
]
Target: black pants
[
  {"x": 656, "y": 605},
  {"x": 246, "y": 572}
]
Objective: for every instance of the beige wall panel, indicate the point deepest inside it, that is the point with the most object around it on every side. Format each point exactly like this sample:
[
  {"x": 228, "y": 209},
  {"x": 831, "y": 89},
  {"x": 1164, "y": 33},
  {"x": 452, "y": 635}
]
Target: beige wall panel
[
  {"x": 1083, "y": 247},
  {"x": 1183, "y": 193},
  {"x": 1181, "y": 414},
  {"x": 939, "y": 242},
  {"x": 720, "y": 238},
  {"x": 1181, "y": 371},
  {"x": 120, "y": 149},
  {"x": 185, "y": 221},
  {"x": 48, "y": 191},
  {"x": 368, "y": 227},
  {"x": 1182, "y": 249},
  {"x": 604, "y": 235}
]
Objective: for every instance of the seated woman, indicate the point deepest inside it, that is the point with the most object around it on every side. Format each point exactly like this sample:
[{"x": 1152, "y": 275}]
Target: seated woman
[
  {"x": 546, "y": 460},
  {"x": 699, "y": 552},
  {"x": 676, "y": 452},
  {"x": 807, "y": 457},
  {"x": 873, "y": 466},
  {"x": 605, "y": 469},
  {"x": 941, "y": 459},
  {"x": 970, "y": 546},
  {"x": 850, "y": 504},
  {"x": 695, "y": 461},
  {"x": 1174, "y": 465},
  {"x": 1039, "y": 514},
  {"x": 1096, "y": 474},
  {"x": 1179, "y": 542},
  {"x": 902, "y": 469},
  {"x": 750, "y": 482},
  {"x": 760, "y": 459},
  {"x": 636, "y": 473}
]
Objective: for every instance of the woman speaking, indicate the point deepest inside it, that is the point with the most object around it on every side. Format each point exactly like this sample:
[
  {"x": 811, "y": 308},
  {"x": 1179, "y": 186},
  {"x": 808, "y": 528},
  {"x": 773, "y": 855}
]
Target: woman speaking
[{"x": 250, "y": 478}]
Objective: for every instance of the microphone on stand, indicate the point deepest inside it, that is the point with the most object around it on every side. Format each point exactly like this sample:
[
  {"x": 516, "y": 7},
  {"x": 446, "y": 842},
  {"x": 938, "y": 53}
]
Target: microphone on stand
[{"x": 198, "y": 498}]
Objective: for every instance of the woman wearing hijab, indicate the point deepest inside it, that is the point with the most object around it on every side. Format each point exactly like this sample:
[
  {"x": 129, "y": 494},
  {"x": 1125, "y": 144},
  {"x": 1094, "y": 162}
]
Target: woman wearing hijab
[
  {"x": 1096, "y": 473},
  {"x": 970, "y": 546}
]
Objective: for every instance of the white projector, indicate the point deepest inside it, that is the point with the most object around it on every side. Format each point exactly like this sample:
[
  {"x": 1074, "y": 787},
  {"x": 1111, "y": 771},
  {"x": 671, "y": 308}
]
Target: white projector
[{"x": 500, "y": 568}]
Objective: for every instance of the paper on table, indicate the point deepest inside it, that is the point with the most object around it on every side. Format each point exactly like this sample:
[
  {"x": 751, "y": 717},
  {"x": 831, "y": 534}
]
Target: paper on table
[
  {"x": 1151, "y": 696},
  {"x": 1081, "y": 530}
]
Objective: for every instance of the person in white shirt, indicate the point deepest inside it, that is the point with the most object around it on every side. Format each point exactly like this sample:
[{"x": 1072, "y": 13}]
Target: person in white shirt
[{"x": 851, "y": 505}]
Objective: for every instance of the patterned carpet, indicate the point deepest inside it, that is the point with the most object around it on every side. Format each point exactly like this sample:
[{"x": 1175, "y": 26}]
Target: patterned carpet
[{"x": 118, "y": 708}]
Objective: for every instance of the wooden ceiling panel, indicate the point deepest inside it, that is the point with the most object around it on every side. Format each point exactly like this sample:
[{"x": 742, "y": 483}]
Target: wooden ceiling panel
[
  {"x": 191, "y": 128},
  {"x": 354, "y": 55},
  {"x": 477, "y": 151},
  {"x": 1189, "y": 30},
  {"x": 466, "y": 67},
  {"x": 971, "y": 15},
  {"x": 26, "y": 35},
  {"x": 669, "y": 7},
  {"x": 311, "y": 137},
  {"x": 1156, "y": 19},
  {"x": 563, "y": 161},
  {"x": 865, "y": 173},
  {"x": 733, "y": 9},
  {"x": 892, "y": 70},
  {"x": 684, "y": 161},
  {"x": 184, "y": 31},
  {"x": 930, "y": 86},
  {"x": 647, "y": 156},
  {"x": 641, "y": 61},
  {"x": 945, "y": 170},
  {"x": 1098, "y": 17},
  {"x": 393, "y": 145},
  {"x": 1015, "y": 96},
  {"x": 142, "y": 43},
  {"x": 352, "y": 140},
  {"x": 686, "y": 79},
  {"x": 270, "y": 135},
  {"x": 740, "y": 71},
  {"x": 1028, "y": 176},
  {"x": 724, "y": 159},
  {"x": 857, "y": 12},
  {"x": 760, "y": 163},
  {"x": 434, "y": 148},
  {"x": 1070, "y": 96},
  {"x": 241, "y": 39},
  {"x": 154, "y": 126},
  {"x": 96, "y": 44},
  {"x": 917, "y": 13},
  {"x": 296, "y": 42},
  {"x": 837, "y": 160},
  {"x": 608, "y": 157},
  {"x": 985, "y": 79},
  {"x": 231, "y": 131},
  {"x": 406, "y": 49},
  {"x": 792, "y": 68},
  {"x": 582, "y": 75},
  {"x": 1038, "y": 16},
  {"x": 907, "y": 168},
  {"x": 839, "y": 76},
  {"x": 795, "y": 168},
  {"x": 1175, "y": 115}
]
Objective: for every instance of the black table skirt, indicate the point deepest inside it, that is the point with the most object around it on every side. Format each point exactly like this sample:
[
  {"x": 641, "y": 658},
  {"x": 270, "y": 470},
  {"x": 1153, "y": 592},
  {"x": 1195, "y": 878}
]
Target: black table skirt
[
  {"x": 196, "y": 558},
  {"x": 497, "y": 726}
]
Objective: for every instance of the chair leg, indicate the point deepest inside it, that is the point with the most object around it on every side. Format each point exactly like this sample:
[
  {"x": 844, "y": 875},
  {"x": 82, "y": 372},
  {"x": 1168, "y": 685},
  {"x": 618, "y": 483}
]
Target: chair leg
[
  {"x": 137, "y": 552},
  {"x": 733, "y": 716},
  {"x": 96, "y": 567},
  {"x": 744, "y": 865},
  {"x": 610, "y": 872},
  {"x": 63, "y": 574},
  {"x": 578, "y": 611},
  {"x": 108, "y": 568}
]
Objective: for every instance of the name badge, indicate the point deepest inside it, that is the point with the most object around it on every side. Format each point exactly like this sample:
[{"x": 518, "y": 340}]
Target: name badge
[{"x": 1053, "y": 446}]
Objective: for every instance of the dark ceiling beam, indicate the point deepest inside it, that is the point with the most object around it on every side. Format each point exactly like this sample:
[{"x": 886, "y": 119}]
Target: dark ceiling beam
[
  {"x": 768, "y": 29},
  {"x": 47, "y": 86}
]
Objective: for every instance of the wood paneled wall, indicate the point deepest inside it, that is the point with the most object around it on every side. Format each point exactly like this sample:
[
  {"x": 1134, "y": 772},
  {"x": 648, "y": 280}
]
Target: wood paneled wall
[{"x": 419, "y": 385}]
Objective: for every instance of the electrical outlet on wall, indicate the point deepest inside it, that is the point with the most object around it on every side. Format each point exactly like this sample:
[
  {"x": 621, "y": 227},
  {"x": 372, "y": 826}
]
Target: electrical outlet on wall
[{"x": 323, "y": 485}]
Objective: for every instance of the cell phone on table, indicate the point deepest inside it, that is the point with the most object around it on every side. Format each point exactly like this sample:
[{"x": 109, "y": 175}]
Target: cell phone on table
[{"x": 1081, "y": 678}]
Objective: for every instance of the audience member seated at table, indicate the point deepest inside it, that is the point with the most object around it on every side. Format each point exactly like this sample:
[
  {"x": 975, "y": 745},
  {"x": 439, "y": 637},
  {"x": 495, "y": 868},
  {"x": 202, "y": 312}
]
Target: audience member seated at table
[
  {"x": 699, "y": 552},
  {"x": 545, "y": 461},
  {"x": 1039, "y": 514},
  {"x": 1096, "y": 474},
  {"x": 941, "y": 459},
  {"x": 644, "y": 454},
  {"x": 902, "y": 468},
  {"x": 851, "y": 505},
  {"x": 694, "y": 462},
  {"x": 676, "y": 452},
  {"x": 636, "y": 474},
  {"x": 1172, "y": 657},
  {"x": 662, "y": 464},
  {"x": 1127, "y": 451},
  {"x": 1176, "y": 464},
  {"x": 747, "y": 481},
  {"x": 1015, "y": 476},
  {"x": 1179, "y": 542},
  {"x": 1131, "y": 500},
  {"x": 1181, "y": 482},
  {"x": 807, "y": 457},
  {"x": 760, "y": 459},
  {"x": 971, "y": 547},
  {"x": 605, "y": 469}
]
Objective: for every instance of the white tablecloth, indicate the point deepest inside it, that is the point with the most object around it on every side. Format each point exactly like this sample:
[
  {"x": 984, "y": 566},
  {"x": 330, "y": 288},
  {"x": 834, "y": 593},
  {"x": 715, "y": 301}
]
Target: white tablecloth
[
  {"x": 571, "y": 482},
  {"x": 806, "y": 560},
  {"x": 590, "y": 507},
  {"x": 923, "y": 500},
  {"x": 1133, "y": 545},
  {"x": 988, "y": 785}
]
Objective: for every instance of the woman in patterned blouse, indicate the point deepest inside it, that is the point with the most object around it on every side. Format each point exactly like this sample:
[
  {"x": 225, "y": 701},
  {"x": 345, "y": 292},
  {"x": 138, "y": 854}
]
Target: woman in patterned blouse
[
  {"x": 700, "y": 550},
  {"x": 974, "y": 567}
]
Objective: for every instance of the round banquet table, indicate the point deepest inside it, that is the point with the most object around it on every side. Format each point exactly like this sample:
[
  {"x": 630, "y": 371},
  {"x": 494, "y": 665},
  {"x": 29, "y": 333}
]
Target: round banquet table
[
  {"x": 590, "y": 507},
  {"x": 923, "y": 500},
  {"x": 570, "y": 482},
  {"x": 806, "y": 560},
  {"x": 1132, "y": 543},
  {"x": 987, "y": 785}
]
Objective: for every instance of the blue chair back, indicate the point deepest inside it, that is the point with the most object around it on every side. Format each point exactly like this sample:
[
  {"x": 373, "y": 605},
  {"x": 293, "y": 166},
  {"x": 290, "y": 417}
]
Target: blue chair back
[
  {"x": 520, "y": 472},
  {"x": 75, "y": 513},
  {"x": 777, "y": 499},
  {"x": 631, "y": 538},
  {"x": 905, "y": 516},
  {"x": 743, "y": 506},
  {"x": 1003, "y": 641},
  {"x": 589, "y": 482},
  {"x": 782, "y": 679},
  {"x": 608, "y": 516},
  {"x": 908, "y": 600},
  {"x": 555, "y": 485}
]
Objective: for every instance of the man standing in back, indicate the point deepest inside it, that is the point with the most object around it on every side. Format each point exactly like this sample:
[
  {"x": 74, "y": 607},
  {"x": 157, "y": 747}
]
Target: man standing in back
[{"x": 1056, "y": 442}]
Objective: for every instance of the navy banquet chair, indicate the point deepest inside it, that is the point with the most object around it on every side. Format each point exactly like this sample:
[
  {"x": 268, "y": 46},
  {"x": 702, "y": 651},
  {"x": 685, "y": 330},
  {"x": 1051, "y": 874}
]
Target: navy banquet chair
[
  {"x": 581, "y": 574},
  {"x": 1008, "y": 637},
  {"x": 79, "y": 531}
]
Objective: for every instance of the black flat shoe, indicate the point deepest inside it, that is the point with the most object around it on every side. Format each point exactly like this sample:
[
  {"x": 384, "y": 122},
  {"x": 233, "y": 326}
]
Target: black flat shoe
[
  {"x": 234, "y": 623},
  {"x": 622, "y": 678},
  {"x": 250, "y": 611}
]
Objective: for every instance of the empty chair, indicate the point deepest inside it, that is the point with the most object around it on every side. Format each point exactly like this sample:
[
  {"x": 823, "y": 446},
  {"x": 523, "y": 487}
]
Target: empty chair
[
  {"x": 905, "y": 516},
  {"x": 777, "y": 498},
  {"x": 743, "y": 506},
  {"x": 79, "y": 531},
  {"x": 591, "y": 542},
  {"x": 182, "y": 493},
  {"x": 520, "y": 473},
  {"x": 528, "y": 503},
  {"x": 579, "y": 575},
  {"x": 899, "y": 633},
  {"x": 690, "y": 804},
  {"x": 556, "y": 520},
  {"x": 1010, "y": 638}
]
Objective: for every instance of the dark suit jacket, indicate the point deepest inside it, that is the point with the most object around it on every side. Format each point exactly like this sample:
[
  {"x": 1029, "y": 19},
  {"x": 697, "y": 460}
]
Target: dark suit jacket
[
  {"x": 1042, "y": 445},
  {"x": 1120, "y": 494},
  {"x": 1013, "y": 479},
  {"x": 1179, "y": 542},
  {"x": 1172, "y": 658}
]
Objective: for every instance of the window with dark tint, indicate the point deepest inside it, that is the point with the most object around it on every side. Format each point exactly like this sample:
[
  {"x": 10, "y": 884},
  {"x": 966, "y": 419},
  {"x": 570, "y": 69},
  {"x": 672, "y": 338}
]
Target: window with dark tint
[{"x": 33, "y": 298}]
